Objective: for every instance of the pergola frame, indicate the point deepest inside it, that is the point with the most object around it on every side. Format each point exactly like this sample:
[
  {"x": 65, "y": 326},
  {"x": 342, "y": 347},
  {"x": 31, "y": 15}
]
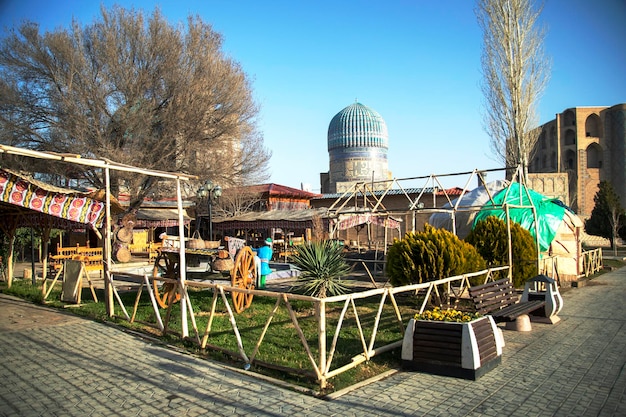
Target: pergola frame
[
  {"x": 108, "y": 165},
  {"x": 367, "y": 197}
]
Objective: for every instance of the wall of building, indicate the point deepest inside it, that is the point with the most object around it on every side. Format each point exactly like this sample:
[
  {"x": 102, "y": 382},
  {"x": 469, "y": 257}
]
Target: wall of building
[
  {"x": 553, "y": 185},
  {"x": 588, "y": 144}
]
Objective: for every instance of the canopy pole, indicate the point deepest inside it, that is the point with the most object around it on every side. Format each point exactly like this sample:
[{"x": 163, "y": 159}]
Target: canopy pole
[
  {"x": 108, "y": 279},
  {"x": 509, "y": 241},
  {"x": 182, "y": 262}
]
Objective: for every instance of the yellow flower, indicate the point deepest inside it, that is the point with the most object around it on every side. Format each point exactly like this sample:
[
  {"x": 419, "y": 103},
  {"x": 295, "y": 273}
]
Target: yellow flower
[{"x": 451, "y": 315}]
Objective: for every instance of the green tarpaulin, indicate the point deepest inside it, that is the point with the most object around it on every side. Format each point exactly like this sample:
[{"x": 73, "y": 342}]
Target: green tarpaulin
[{"x": 549, "y": 212}]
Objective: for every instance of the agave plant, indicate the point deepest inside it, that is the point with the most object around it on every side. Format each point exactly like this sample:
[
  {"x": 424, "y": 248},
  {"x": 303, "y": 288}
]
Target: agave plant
[{"x": 322, "y": 267}]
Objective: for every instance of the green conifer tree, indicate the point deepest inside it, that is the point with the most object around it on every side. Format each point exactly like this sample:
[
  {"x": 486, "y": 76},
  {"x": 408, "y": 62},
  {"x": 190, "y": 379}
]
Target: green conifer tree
[{"x": 607, "y": 215}]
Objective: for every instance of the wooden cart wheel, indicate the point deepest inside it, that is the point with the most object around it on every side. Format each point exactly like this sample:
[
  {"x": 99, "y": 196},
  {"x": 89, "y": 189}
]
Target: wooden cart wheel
[
  {"x": 166, "y": 291},
  {"x": 243, "y": 275}
]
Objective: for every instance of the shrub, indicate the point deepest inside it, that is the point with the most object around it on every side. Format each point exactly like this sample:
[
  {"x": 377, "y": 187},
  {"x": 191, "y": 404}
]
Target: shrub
[
  {"x": 430, "y": 255},
  {"x": 490, "y": 238},
  {"x": 322, "y": 268}
]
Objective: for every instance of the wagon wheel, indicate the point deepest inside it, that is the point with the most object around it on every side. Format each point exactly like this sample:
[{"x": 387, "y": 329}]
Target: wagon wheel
[
  {"x": 165, "y": 268},
  {"x": 243, "y": 275}
]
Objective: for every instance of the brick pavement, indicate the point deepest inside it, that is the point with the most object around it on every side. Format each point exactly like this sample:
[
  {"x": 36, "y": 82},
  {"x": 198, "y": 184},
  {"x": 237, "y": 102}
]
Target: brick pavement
[{"x": 56, "y": 364}]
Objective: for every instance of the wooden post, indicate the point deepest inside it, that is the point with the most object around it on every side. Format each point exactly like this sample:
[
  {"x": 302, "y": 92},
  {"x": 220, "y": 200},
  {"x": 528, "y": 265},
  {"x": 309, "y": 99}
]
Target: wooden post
[
  {"x": 108, "y": 277},
  {"x": 11, "y": 238},
  {"x": 320, "y": 308},
  {"x": 45, "y": 237},
  {"x": 181, "y": 262},
  {"x": 508, "y": 234}
]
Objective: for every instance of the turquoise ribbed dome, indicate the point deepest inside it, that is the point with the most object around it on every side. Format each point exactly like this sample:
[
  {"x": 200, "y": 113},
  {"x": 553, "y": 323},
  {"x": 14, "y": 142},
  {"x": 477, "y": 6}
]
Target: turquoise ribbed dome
[{"x": 357, "y": 126}]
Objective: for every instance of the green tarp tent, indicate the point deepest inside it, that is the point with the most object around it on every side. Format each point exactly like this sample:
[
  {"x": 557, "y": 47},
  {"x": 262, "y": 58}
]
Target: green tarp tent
[{"x": 520, "y": 200}]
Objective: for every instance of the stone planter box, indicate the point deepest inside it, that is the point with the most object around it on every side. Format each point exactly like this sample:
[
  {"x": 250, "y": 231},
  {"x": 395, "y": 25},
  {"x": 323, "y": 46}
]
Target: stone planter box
[{"x": 462, "y": 350}]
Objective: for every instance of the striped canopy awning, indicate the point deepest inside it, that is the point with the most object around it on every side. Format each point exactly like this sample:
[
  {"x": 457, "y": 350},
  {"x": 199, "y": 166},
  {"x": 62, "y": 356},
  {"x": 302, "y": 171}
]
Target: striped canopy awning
[{"x": 33, "y": 203}]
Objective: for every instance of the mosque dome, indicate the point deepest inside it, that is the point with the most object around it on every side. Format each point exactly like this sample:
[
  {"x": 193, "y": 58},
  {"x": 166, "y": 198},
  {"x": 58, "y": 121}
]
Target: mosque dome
[
  {"x": 357, "y": 126},
  {"x": 357, "y": 148}
]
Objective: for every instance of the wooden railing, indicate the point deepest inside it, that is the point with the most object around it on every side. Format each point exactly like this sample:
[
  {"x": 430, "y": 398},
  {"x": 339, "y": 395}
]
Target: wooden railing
[
  {"x": 592, "y": 261},
  {"x": 91, "y": 257},
  {"x": 322, "y": 359}
]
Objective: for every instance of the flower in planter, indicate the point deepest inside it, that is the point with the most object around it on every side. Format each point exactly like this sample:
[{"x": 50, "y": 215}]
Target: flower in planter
[{"x": 451, "y": 315}]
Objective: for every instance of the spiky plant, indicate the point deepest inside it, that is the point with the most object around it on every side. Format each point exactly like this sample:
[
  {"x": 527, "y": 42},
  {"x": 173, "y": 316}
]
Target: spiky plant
[{"x": 322, "y": 268}]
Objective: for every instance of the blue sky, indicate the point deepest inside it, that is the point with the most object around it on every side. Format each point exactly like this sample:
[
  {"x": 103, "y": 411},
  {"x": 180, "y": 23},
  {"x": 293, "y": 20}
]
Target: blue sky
[{"x": 415, "y": 62}]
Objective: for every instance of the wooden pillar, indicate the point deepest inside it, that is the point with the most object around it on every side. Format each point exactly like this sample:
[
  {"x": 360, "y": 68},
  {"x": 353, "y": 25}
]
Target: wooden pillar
[
  {"x": 181, "y": 263},
  {"x": 320, "y": 308},
  {"x": 108, "y": 276}
]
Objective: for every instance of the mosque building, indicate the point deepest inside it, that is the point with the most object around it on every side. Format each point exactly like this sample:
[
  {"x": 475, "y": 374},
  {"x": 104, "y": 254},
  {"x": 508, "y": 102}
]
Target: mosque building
[{"x": 357, "y": 149}]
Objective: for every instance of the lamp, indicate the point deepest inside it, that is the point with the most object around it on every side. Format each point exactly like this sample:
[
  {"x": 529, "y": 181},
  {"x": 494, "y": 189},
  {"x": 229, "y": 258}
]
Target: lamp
[{"x": 209, "y": 191}]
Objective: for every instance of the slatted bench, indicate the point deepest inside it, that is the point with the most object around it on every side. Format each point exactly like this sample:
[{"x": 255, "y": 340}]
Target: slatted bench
[{"x": 500, "y": 300}]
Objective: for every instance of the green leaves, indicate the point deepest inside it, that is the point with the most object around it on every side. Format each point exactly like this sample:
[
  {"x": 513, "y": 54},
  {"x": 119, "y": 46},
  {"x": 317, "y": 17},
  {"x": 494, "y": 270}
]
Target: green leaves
[
  {"x": 490, "y": 238},
  {"x": 607, "y": 216},
  {"x": 430, "y": 255},
  {"x": 322, "y": 268}
]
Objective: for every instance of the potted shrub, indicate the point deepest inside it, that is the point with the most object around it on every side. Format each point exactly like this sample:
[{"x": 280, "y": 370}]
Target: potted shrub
[{"x": 452, "y": 343}]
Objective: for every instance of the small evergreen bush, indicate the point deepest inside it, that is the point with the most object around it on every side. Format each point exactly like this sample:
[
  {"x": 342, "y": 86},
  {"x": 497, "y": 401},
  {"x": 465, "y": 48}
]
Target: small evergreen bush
[
  {"x": 430, "y": 255},
  {"x": 489, "y": 237}
]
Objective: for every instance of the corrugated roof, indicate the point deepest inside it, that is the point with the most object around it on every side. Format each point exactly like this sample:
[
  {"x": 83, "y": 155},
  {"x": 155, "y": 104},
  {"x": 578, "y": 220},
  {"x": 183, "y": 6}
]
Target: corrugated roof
[
  {"x": 276, "y": 190},
  {"x": 275, "y": 215}
]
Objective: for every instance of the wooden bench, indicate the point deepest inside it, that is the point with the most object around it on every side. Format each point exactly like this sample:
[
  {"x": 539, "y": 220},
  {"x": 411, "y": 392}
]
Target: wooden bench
[{"x": 500, "y": 300}]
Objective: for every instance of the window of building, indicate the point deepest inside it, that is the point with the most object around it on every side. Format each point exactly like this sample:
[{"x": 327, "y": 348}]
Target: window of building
[
  {"x": 594, "y": 156},
  {"x": 593, "y": 126},
  {"x": 570, "y": 137},
  {"x": 570, "y": 118},
  {"x": 570, "y": 160}
]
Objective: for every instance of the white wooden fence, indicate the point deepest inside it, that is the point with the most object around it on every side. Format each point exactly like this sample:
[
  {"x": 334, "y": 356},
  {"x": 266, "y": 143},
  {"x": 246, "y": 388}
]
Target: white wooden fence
[
  {"x": 591, "y": 263},
  {"x": 323, "y": 364}
]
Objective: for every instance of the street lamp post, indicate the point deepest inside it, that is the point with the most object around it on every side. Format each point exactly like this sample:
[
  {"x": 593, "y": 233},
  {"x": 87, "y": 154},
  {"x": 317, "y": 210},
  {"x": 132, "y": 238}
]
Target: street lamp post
[{"x": 209, "y": 191}]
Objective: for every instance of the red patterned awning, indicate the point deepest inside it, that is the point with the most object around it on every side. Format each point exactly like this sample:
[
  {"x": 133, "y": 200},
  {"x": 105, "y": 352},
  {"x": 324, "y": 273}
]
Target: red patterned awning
[{"x": 40, "y": 199}]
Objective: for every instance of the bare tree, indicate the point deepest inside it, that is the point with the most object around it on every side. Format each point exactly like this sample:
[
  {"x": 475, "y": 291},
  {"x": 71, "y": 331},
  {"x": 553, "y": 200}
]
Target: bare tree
[
  {"x": 136, "y": 90},
  {"x": 515, "y": 72},
  {"x": 238, "y": 200}
]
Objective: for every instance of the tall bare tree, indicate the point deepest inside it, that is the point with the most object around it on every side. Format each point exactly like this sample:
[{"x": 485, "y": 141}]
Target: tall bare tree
[
  {"x": 515, "y": 72},
  {"x": 134, "y": 89}
]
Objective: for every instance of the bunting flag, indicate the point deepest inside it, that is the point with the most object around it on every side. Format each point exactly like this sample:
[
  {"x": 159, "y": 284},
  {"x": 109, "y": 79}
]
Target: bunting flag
[{"x": 53, "y": 201}]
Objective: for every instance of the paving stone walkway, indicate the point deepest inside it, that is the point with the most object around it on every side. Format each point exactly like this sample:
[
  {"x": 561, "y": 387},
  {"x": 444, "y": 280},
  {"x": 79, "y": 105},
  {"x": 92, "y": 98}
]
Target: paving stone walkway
[{"x": 56, "y": 364}]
